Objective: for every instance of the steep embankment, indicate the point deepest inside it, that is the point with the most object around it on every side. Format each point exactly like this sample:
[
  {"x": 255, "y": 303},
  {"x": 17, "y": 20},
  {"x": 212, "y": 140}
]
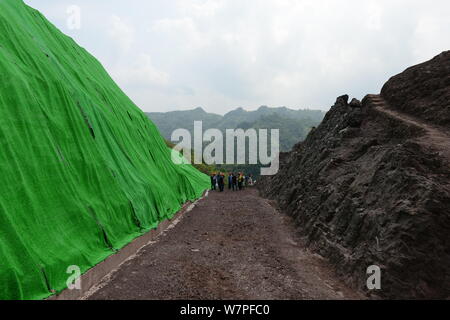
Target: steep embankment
[
  {"x": 423, "y": 91},
  {"x": 371, "y": 185},
  {"x": 83, "y": 170}
]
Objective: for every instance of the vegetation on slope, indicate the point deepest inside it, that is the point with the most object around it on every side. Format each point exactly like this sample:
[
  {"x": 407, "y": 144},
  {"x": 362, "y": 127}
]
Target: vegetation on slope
[{"x": 294, "y": 126}]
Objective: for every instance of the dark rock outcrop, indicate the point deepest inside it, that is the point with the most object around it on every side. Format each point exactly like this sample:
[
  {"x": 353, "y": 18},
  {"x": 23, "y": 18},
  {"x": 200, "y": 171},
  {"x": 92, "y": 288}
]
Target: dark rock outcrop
[
  {"x": 423, "y": 90},
  {"x": 365, "y": 190}
]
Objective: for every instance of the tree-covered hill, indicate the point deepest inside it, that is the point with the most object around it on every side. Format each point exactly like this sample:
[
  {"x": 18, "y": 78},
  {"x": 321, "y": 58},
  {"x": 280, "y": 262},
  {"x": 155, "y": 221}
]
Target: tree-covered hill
[{"x": 294, "y": 125}]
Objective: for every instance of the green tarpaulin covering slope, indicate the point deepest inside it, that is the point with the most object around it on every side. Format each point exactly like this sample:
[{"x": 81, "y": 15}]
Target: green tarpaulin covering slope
[{"x": 82, "y": 170}]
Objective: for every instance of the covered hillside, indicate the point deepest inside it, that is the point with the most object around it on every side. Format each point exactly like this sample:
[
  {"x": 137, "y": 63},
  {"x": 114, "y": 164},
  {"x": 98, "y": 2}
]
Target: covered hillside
[{"x": 83, "y": 170}]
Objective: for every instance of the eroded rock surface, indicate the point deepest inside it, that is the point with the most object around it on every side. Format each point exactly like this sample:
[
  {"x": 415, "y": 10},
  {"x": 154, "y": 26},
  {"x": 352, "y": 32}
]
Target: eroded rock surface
[
  {"x": 368, "y": 187},
  {"x": 423, "y": 90}
]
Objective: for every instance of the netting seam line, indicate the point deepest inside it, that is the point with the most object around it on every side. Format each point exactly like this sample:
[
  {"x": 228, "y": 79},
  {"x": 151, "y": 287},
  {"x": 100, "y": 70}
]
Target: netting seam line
[
  {"x": 47, "y": 281},
  {"x": 60, "y": 154},
  {"x": 106, "y": 239},
  {"x": 86, "y": 120},
  {"x": 103, "y": 230},
  {"x": 135, "y": 218}
]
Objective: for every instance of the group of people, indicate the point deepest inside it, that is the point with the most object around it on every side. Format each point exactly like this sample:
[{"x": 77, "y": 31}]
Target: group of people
[{"x": 236, "y": 182}]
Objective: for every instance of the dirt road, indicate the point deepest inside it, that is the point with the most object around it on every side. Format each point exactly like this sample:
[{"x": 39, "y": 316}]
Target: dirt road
[{"x": 232, "y": 245}]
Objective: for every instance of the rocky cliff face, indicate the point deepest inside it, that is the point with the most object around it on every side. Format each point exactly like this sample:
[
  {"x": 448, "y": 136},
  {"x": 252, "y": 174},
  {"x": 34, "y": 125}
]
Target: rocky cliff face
[
  {"x": 371, "y": 185},
  {"x": 423, "y": 90}
]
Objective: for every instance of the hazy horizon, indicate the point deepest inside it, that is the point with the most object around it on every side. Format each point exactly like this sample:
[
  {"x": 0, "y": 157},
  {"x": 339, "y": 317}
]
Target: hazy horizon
[
  {"x": 236, "y": 108},
  {"x": 225, "y": 54}
]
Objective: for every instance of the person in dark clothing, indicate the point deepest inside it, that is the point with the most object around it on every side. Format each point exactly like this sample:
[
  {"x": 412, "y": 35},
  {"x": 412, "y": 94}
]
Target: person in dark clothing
[
  {"x": 213, "y": 182},
  {"x": 230, "y": 181},
  {"x": 217, "y": 181},
  {"x": 221, "y": 182},
  {"x": 234, "y": 182}
]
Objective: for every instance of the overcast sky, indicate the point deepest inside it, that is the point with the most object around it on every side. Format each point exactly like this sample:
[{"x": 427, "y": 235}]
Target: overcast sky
[{"x": 222, "y": 54}]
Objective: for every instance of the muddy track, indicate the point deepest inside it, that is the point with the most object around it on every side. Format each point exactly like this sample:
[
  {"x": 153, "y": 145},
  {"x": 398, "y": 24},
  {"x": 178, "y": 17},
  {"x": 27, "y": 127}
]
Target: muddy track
[
  {"x": 233, "y": 245},
  {"x": 437, "y": 138}
]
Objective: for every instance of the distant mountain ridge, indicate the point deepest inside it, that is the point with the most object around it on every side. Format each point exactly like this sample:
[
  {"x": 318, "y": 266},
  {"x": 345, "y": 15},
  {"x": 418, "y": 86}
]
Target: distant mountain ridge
[{"x": 294, "y": 125}]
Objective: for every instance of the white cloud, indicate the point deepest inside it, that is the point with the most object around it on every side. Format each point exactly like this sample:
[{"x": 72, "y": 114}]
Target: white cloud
[
  {"x": 374, "y": 16},
  {"x": 200, "y": 8},
  {"x": 427, "y": 36},
  {"x": 140, "y": 72},
  {"x": 182, "y": 31},
  {"x": 220, "y": 54},
  {"x": 121, "y": 32}
]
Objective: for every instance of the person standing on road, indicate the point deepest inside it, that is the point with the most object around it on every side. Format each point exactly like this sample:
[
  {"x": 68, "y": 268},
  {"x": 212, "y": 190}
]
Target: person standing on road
[
  {"x": 230, "y": 181},
  {"x": 240, "y": 181},
  {"x": 218, "y": 180},
  {"x": 234, "y": 182},
  {"x": 213, "y": 181},
  {"x": 221, "y": 182}
]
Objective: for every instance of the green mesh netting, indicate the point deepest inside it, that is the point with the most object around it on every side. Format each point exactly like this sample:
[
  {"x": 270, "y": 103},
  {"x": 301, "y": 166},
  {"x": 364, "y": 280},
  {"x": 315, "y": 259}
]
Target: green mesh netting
[{"x": 83, "y": 171}]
